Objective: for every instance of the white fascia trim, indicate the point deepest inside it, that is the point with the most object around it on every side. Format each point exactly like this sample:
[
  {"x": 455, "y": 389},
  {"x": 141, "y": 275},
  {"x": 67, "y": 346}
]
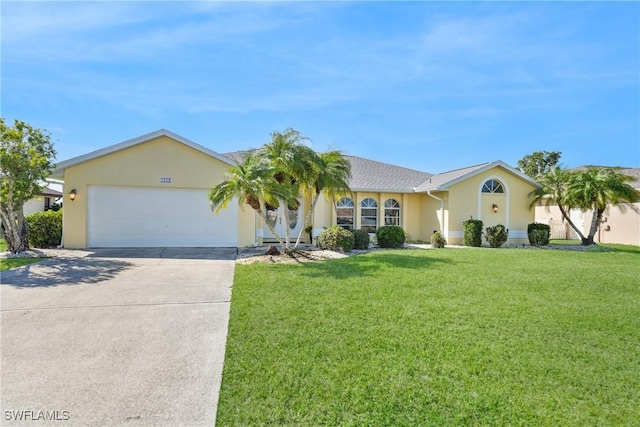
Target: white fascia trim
[
  {"x": 378, "y": 190},
  {"x": 60, "y": 167}
]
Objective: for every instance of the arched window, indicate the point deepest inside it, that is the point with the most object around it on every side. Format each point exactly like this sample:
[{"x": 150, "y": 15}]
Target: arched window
[
  {"x": 492, "y": 186},
  {"x": 369, "y": 215},
  {"x": 345, "y": 213},
  {"x": 391, "y": 212}
]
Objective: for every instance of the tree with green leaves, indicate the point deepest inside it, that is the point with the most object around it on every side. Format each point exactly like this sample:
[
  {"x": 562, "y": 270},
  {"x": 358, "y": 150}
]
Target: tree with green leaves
[
  {"x": 539, "y": 162},
  {"x": 279, "y": 174},
  {"x": 250, "y": 182},
  {"x": 294, "y": 165},
  {"x": 331, "y": 175},
  {"x": 26, "y": 160},
  {"x": 595, "y": 189}
]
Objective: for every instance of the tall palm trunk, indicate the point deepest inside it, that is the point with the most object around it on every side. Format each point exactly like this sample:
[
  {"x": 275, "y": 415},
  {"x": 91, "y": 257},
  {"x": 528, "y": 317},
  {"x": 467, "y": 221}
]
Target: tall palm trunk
[
  {"x": 287, "y": 230},
  {"x": 307, "y": 218},
  {"x": 271, "y": 228},
  {"x": 595, "y": 222},
  {"x": 566, "y": 216}
]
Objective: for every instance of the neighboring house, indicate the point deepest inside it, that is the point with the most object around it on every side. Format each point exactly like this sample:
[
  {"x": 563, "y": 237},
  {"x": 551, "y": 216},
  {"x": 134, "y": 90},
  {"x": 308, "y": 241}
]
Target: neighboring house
[
  {"x": 620, "y": 224},
  {"x": 42, "y": 202},
  {"x": 153, "y": 191}
]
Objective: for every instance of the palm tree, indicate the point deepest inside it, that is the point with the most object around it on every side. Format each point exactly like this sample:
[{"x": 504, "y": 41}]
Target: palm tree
[
  {"x": 331, "y": 177},
  {"x": 553, "y": 190},
  {"x": 279, "y": 174},
  {"x": 293, "y": 165},
  {"x": 249, "y": 182},
  {"x": 597, "y": 189}
]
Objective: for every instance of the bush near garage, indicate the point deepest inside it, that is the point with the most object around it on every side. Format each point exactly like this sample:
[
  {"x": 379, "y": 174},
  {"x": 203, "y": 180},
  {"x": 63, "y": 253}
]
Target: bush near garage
[
  {"x": 336, "y": 238},
  {"x": 45, "y": 228},
  {"x": 390, "y": 236}
]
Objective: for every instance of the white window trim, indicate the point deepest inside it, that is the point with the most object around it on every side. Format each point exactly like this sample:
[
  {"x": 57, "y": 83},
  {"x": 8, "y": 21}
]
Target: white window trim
[
  {"x": 399, "y": 209},
  {"x": 377, "y": 208},
  {"x": 353, "y": 206}
]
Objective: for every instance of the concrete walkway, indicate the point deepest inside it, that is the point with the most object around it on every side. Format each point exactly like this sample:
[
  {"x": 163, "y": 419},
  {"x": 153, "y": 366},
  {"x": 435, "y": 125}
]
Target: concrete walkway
[{"x": 115, "y": 337}]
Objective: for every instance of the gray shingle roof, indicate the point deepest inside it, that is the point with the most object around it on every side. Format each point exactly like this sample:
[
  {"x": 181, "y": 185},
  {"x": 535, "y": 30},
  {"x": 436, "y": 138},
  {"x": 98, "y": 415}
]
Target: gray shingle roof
[
  {"x": 635, "y": 173},
  {"x": 370, "y": 175},
  {"x": 237, "y": 156},
  {"x": 442, "y": 179},
  {"x": 632, "y": 172},
  {"x": 374, "y": 176}
]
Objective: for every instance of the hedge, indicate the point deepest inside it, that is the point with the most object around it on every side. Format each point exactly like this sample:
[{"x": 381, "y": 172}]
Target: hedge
[{"x": 45, "y": 229}]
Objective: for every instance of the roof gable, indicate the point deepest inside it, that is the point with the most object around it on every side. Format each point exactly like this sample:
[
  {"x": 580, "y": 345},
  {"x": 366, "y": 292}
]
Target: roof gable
[
  {"x": 442, "y": 182},
  {"x": 58, "y": 171}
]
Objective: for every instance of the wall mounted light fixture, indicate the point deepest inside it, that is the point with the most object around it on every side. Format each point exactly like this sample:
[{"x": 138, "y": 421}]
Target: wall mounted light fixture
[
  {"x": 495, "y": 208},
  {"x": 72, "y": 194}
]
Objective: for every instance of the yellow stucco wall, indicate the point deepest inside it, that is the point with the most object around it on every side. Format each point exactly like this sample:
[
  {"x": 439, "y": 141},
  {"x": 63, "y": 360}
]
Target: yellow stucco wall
[
  {"x": 142, "y": 166},
  {"x": 410, "y": 211},
  {"x": 432, "y": 218},
  {"x": 466, "y": 201}
]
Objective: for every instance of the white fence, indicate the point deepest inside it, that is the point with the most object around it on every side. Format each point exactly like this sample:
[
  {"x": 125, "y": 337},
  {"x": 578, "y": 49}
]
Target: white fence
[{"x": 562, "y": 230}]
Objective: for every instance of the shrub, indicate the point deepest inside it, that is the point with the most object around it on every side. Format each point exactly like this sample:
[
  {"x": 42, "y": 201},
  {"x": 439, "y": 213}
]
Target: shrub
[
  {"x": 538, "y": 234},
  {"x": 336, "y": 238},
  {"x": 45, "y": 229},
  {"x": 496, "y": 235},
  {"x": 472, "y": 232},
  {"x": 390, "y": 236},
  {"x": 360, "y": 239},
  {"x": 438, "y": 240}
]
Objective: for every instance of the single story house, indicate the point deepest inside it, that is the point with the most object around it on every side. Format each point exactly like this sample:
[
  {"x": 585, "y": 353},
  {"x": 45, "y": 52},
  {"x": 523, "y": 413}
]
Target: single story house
[
  {"x": 620, "y": 224},
  {"x": 153, "y": 191},
  {"x": 42, "y": 202}
]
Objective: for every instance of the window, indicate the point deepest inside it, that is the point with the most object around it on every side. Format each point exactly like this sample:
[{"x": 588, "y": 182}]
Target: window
[
  {"x": 369, "y": 215},
  {"x": 345, "y": 213},
  {"x": 492, "y": 186},
  {"x": 391, "y": 212}
]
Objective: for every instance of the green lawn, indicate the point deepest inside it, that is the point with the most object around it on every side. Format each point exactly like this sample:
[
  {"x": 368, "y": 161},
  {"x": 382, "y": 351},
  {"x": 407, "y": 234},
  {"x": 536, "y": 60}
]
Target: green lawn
[
  {"x": 6, "y": 264},
  {"x": 436, "y": 337}
]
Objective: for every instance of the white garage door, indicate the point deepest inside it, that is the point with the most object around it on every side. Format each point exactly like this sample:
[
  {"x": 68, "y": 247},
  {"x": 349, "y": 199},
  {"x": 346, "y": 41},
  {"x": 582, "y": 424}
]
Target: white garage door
[{"x": 156, "y": 217}]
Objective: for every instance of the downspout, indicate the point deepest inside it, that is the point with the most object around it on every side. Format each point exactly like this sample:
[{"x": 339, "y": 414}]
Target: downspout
[{"x": 441, "y": 222}]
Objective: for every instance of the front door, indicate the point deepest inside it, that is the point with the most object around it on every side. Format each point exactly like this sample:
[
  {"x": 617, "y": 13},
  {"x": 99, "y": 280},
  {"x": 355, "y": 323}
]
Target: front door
[{"x": 276, "y": 217}]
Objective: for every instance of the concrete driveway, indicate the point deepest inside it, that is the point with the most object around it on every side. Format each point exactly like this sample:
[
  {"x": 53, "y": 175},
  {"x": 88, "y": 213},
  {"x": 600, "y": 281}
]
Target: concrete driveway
[{"x": 115, "y": 337}]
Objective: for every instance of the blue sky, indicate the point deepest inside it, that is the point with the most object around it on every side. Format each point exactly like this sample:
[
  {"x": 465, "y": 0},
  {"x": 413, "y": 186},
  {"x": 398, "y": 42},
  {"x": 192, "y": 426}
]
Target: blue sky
[{"x": 432, "y": 86}]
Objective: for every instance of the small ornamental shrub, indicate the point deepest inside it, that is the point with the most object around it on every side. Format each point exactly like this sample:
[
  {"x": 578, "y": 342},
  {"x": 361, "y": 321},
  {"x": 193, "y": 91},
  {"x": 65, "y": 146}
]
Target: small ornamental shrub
[
  {"x": 496, "y": 235},
  {"x": 472, "y": 232},
  {"x": 438, "y": 240},
  {"x": 45, "y": 229},
  {"x": 336, "y": 238},
  {"x": 390, "y": 236},
  {"x": 360, "y": 239},
  {"x": 538, "y": 234}
]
